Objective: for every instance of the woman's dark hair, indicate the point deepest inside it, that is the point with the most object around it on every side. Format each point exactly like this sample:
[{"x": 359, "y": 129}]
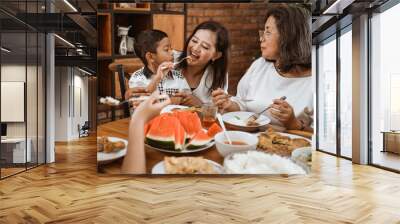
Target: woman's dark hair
[
  {"x": 147, "y": 41},
  {"x": 220, "y": 65},
  {"x": 293, "y": 24}
]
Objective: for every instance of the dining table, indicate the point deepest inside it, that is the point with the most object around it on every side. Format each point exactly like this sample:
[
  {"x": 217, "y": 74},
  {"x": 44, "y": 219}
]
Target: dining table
[{"x": 119, "y": 128}]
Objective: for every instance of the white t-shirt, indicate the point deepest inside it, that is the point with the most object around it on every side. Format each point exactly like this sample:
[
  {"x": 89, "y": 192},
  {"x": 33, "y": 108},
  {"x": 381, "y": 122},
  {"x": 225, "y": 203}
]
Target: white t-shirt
[
  {"x": 202, "y": 90},
  {"x": 262, "y": 84},
  {"x": 168, "y": 84}
]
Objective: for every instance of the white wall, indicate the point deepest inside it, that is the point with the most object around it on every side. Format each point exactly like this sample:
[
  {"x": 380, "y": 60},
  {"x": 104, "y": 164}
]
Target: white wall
[
  {"x": 34, "y": 106},
  {"x": 12, "y": 73},
  {"x": 69, "y": 85}
]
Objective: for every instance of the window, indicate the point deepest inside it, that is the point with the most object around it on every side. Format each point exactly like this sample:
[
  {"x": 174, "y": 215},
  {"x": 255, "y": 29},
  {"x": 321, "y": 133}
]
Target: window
[
  {"x": 346, "y": 92},
  {"x": 385, "y": 86},
  {"x": 327, "y": 95}
]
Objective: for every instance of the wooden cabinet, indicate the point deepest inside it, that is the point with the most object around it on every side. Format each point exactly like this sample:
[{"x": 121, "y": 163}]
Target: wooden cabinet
[
  {"x": 173, "y": 25},
  {"x": 140, "y": 16},
  {"x": 104, "y": 34}
]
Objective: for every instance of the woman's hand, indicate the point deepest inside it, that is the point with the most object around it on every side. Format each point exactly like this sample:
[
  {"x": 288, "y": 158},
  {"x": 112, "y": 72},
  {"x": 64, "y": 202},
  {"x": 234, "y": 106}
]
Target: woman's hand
[
  {"x": 189, "y": 99},
  {"x": 283, "y": 112},
  {"x": 149, "y": 108},
  {"x": 221, "y": 99}
]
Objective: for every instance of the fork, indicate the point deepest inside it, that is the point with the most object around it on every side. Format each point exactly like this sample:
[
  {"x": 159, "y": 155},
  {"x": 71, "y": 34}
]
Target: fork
[
  {"x": 178, "y": 62},
  {"x": 255, "y": 116}
]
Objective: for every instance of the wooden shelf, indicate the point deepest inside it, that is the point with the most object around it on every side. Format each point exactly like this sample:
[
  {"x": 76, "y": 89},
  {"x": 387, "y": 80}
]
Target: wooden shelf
[
  {"x": 103, "y": 6},
  {"x": 138, "y": 21},
  {"x": 125, "y": 56},
  {"x": 104, "y": 47},
  {"x": 141, "y": 7},
  {"x": 101, "y": 54}
]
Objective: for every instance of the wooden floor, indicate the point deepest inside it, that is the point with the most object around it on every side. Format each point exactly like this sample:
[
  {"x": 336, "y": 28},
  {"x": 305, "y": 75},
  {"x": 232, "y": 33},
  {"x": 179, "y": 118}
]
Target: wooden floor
[
  {"x": 387, "y": 159},
  {"x": 70, "y": 191}
]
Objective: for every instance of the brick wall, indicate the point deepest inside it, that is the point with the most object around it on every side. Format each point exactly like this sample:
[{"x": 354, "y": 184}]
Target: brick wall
[{"x": 243, "y": 21}]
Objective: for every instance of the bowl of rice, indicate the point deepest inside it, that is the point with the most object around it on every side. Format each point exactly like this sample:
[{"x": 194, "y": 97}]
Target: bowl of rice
[{"x": 256, "y": 162}]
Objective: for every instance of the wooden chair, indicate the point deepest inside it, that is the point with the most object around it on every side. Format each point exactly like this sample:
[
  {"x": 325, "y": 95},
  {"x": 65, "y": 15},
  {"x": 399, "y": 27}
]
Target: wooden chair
[{"x": 122, "y": 69}]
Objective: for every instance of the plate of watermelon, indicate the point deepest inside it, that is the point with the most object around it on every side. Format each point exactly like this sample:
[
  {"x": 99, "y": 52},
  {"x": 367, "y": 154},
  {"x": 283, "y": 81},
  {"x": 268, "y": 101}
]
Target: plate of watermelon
[{"x": 179, "y": 132}]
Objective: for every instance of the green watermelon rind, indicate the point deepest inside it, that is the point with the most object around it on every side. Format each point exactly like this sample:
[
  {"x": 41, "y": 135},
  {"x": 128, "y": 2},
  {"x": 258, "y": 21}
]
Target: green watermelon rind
[
  {"x": 169, "y": 145},
  {"x": 196, "y": 146}
]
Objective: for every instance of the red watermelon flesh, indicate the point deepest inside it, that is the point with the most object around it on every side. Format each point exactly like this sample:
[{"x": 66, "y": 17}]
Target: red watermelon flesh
[
  {"x": 190, "y": 122},
  {"x": 214, "y": 129},
  {"x": 166, "y": 132},
  {"x": 147, "y": 126},
  {"x": 199, "y": 140},
  {"x": 180, "y": 135}
]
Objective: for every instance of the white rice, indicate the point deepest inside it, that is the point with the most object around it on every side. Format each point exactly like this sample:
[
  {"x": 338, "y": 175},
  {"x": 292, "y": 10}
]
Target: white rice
[{"x": 255, "y": 162}]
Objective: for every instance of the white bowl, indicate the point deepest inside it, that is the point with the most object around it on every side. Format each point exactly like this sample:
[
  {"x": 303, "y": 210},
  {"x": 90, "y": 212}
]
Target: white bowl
[{"x": 226, "y": 149}]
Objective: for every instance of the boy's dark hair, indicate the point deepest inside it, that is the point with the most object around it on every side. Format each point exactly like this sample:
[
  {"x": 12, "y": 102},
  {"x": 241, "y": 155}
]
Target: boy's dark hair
[{"x": 147, "y": 41}]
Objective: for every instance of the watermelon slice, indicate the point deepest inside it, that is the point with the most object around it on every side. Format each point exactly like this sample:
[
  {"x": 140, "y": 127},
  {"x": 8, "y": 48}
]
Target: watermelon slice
[
  {"x": 190, "y": 122},
  {"x": 166, "y": 132},
  {"x": 199, "y": 140},
  {"x": 213, "y": 130},
  {"x": 180, "y": 135}
]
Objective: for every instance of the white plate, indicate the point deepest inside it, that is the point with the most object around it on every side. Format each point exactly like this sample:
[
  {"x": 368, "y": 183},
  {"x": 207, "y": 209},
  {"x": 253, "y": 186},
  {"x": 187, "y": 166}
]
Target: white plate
[
  {"x": 239, "y": 119},
  {"x": 103, "y": 157},
  {"x": 169, "y": 108},
  {"x": 185, "y": 151},
  {"x": 159, "y": 168}
]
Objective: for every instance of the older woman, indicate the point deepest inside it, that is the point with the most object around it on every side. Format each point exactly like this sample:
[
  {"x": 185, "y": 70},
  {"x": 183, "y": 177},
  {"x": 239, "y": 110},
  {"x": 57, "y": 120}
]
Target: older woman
[
  {"x": 207, "y": 70},
  {"x": 283, "y": 70}
]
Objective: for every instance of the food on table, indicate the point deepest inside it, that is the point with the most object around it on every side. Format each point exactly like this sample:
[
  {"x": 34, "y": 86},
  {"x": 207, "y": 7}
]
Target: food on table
[
  {"x": 235, "y": 143},
  {"x": 190, "y": 122},
  {"x": 165, "y": 131},
  {"x": 256, "y": 162},
  {"x": 176, "y": 131},
  {"x": 200, "y": 139},
  {"x": 188, "y": 165},
  {"x": 107, "y": 146},
  {"x": 273, "y": 142},
  {"x": 213, "y": 130},
  {"x": 252, "y": 122},
  {"x": 109, "y": 101}
]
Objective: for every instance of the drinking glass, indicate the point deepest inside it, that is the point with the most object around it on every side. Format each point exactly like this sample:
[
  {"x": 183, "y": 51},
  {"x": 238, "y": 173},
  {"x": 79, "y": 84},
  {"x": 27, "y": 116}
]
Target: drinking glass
[{"x": 209, "y": 114}]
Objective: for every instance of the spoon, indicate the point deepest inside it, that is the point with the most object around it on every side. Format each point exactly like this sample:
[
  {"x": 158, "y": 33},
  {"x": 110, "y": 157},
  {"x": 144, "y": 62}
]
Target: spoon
[{"x": 221, "y": 122}]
